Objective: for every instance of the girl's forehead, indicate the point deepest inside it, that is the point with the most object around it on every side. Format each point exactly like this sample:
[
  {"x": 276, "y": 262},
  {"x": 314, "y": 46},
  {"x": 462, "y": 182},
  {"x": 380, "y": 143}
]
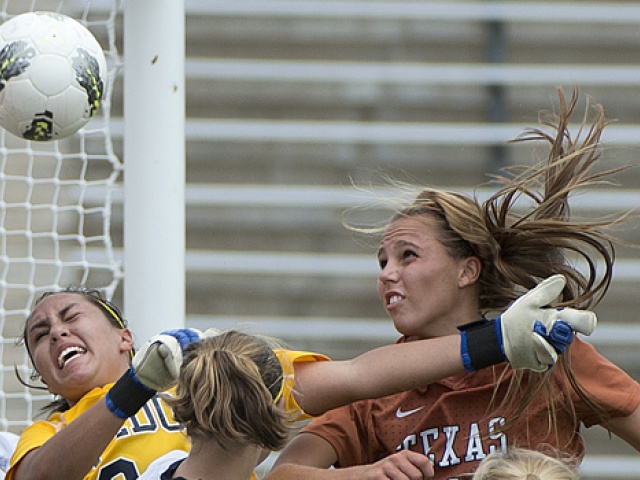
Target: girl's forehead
[
  {"x": 422, "y": 228},
  {"x": 59, "y": 301},
  {"x": 61, "y": 298}
]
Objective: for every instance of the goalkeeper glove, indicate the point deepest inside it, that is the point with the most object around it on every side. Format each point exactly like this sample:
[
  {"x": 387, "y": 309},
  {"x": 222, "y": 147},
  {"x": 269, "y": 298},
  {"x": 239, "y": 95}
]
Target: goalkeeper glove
[
  {"x": 154, "y": 368},
  {"x": 527, "y": 335}
]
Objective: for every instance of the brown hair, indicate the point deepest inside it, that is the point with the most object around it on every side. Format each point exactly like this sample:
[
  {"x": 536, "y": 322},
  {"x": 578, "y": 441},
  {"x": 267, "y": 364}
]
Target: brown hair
[{"x": 226, "y": 391}]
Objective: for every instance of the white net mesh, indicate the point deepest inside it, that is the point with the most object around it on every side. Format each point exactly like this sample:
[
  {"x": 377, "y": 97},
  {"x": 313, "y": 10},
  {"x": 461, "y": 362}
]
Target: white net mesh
[{"x": 55, "y": 214}]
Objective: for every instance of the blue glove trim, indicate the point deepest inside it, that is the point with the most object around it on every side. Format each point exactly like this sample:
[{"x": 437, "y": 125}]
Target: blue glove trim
[
  {"x": 185, "y": 336},
  {"x": 114, "y": 408},
  {"x": 498, "y": 327},
  {"x": 464, "y": 352},
  {"x": 560, "y": 336}
]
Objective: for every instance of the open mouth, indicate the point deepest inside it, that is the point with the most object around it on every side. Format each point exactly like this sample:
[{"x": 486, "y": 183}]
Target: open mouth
[
  {"x": 393, "y": 299},
  {"x": 69, "y": 354}
]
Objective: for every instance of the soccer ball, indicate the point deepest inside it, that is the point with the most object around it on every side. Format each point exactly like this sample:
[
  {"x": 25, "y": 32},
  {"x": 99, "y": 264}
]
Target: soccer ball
[{"x": 52, "y": 76}]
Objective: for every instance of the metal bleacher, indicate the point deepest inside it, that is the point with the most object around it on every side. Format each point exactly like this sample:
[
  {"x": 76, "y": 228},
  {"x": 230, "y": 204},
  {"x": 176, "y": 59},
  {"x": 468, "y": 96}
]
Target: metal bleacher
[{"x": 289, "y": 102}]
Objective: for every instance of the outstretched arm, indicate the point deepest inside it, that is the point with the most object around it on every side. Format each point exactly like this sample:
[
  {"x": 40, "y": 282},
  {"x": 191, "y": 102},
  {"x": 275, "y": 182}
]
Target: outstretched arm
[
  {"x": 321, "y": 386},
  {"x": 528, "y": 334}
]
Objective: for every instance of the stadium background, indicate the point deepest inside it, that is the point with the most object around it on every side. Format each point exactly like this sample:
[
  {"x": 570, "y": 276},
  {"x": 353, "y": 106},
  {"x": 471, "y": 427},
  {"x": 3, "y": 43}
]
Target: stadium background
[{"x": 289, "y": 102}]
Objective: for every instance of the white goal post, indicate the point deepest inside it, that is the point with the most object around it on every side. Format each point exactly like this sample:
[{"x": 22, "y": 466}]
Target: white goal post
[
  {"x": 56, "y": 208},
  {"x": 154, "y": 152}
]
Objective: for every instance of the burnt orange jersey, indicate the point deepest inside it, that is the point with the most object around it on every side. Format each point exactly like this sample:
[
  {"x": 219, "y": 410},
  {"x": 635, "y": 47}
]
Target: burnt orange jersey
[{"x": 450, "y": 420}]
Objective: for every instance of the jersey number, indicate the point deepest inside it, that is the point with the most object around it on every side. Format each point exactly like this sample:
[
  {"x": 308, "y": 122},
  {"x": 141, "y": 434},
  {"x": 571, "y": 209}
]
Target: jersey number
[{"x": 121, "y": 469}]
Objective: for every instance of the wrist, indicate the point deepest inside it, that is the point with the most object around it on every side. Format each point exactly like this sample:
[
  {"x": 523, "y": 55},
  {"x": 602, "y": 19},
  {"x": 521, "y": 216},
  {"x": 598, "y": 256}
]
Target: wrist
[
  {"x": 128, "y": 395},
  {"x": 481, "y": 344}
]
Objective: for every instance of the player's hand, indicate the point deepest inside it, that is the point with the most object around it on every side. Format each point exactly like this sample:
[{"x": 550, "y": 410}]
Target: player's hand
[
  {"x": 529, "y": 334},
  {"x": 403, "y": 465},
  {"x": 534, "y": 334},
  {"x": 154, "y": 368},
  {"x": 157, "y": 364}
]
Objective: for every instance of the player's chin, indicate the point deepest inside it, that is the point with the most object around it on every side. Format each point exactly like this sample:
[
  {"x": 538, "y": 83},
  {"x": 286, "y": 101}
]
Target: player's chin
[{"x": 405, "y": 328}]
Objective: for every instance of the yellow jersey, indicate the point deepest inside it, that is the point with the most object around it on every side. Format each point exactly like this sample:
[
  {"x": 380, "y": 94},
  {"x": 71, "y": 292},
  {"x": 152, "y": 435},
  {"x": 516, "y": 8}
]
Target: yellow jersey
[{"x": 148, "y": 435}]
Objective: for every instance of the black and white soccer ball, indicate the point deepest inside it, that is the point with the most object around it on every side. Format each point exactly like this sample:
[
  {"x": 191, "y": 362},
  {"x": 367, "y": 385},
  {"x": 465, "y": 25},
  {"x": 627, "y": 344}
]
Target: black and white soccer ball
[{"x": 52, "y": 75}]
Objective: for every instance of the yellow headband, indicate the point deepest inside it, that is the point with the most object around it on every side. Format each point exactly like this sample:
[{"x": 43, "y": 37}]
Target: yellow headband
[
  {"x": 280, "y": 392},
  {"x": 116, "y": 317}
]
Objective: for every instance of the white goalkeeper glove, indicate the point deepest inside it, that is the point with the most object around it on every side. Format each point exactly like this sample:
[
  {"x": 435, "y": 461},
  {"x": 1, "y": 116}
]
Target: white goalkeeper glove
[
  {"x": 154, "y": 368},
  {"x": 157, "y": 364},
  {"x": 529, "y": 335}
]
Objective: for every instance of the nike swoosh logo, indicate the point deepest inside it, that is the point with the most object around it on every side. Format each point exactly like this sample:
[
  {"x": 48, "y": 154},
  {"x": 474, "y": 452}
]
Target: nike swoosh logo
[{"x": 401, "y": 414}]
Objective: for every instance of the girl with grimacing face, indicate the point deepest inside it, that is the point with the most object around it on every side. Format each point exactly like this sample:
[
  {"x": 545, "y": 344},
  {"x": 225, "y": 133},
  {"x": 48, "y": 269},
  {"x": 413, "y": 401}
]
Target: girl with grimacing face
[
  {"x": 74, "y": 346},
  {"x": 82, "y": 350}
]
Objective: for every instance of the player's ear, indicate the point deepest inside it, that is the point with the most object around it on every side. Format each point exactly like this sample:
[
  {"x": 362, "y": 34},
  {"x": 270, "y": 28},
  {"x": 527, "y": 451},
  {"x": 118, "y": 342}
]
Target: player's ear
[
  {"x": 126, "y": 340},
  {"x": 470, "y": 270}
]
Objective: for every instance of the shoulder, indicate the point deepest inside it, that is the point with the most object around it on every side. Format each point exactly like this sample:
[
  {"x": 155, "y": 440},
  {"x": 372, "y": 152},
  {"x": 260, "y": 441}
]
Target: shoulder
[
  {"x": 609, "y": 385},
  {"x": 162, "y": 464},
  {"x": 288, "y": 358},
  {"x": 295, "y": 356},
  {"x": 35, "y": 435},
  {"x": 586, "y": 360}
]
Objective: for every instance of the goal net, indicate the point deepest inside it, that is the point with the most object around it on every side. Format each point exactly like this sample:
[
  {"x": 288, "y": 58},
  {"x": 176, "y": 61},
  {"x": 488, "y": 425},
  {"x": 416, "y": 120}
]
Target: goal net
[{"x": 55, "y": 213}]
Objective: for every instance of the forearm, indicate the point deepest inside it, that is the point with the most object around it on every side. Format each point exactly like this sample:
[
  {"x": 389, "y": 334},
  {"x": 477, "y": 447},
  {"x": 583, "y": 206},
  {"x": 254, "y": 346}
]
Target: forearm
[
  {"x": 303, "y": 472},
  {"x": 309, "y": 463},
  {"x": 321, "y": 386},
  {"x": 72, "y": 452}
]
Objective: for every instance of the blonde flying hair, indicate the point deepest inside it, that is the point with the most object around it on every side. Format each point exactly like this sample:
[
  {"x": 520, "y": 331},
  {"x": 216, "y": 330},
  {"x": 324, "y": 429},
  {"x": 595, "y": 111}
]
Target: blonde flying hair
[
  {"x": 522, "y": 464},
  {"x": 226, "y": 391},
  {"x": 524, "y": 233}
]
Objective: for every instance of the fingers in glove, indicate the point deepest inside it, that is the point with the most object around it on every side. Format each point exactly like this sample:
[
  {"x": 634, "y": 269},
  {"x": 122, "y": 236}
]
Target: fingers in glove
[
  {"x": 559, "y": 336},
  {"x": 545, "y": 353},
  {"x": 157, "y": 364},
  {"x": 545, "y": 292},
  {"x": 163, "y": 350},
  {"x": 582, "y": 321},
  {"x": 184, "y": 335}
]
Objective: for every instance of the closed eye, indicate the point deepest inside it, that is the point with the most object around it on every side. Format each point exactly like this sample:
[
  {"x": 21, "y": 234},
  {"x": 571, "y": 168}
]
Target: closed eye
[
  {"x": 70, "y": 317},
  {"x": 37, "y": 335}
]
